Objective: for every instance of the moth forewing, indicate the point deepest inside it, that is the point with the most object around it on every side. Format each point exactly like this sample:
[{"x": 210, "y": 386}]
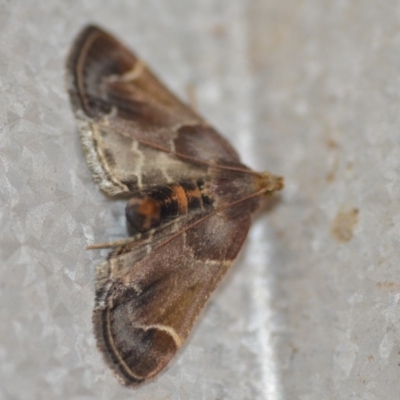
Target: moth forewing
[{"x": 191, "y": 204}]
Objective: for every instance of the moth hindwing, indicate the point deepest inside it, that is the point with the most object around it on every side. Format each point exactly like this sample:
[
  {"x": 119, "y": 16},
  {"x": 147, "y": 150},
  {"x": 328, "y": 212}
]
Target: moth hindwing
[{"x": 189, "y": 209}]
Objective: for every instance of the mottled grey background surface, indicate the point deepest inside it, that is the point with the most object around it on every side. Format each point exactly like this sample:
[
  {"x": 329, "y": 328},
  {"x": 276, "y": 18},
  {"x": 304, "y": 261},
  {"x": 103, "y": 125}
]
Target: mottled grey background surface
[{"x": 309, "y": 89}]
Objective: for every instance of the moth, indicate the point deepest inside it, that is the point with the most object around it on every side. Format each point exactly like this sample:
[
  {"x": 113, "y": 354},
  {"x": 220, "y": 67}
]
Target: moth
[{"x": 189, "y": 206}]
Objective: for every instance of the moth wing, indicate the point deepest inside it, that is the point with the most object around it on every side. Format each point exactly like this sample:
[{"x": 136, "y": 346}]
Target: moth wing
[
  {"x": 147, "y": 307},
  {"x": 135, "y": 132}
]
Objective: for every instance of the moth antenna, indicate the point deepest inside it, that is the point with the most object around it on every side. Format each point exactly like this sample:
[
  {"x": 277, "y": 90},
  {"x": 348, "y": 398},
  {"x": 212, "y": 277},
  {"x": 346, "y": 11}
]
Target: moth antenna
[
  {"x": 191, "y": 159},
  {"x": 268, "y": 184},
  {"x": 110, "y": 245}
]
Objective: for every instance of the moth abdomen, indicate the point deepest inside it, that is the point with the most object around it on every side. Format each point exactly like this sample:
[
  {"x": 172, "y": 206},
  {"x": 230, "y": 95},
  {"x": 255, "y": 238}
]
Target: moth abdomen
[
  {"x": 143, "y": 214},
  {"x": 147, "y": 210}
]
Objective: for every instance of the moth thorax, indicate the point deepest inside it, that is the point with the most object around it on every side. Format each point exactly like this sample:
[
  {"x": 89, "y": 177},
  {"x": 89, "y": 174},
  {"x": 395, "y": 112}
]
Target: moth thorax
[{"x": 151, "y": 208}]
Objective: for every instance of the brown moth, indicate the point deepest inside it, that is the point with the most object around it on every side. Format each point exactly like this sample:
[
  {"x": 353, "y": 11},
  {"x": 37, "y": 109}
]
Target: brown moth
[{"x": 189, "y": 208}]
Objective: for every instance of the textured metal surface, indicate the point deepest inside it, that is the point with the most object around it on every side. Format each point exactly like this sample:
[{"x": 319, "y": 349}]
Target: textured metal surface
[{"x": 307, "y": 89}]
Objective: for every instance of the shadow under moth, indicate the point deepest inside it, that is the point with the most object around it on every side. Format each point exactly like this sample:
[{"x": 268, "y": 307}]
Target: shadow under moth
[{"x": 189, "y": 207}]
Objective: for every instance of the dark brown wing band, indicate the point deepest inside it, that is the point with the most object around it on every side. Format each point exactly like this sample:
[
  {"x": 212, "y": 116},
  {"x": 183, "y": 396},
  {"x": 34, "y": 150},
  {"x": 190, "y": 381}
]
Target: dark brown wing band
[{"x": 95, "y": 55}]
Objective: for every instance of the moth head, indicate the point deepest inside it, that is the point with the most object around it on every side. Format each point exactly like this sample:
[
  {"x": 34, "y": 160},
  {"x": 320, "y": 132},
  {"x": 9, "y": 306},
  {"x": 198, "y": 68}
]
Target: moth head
[{"x": 269, "y": 183}]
